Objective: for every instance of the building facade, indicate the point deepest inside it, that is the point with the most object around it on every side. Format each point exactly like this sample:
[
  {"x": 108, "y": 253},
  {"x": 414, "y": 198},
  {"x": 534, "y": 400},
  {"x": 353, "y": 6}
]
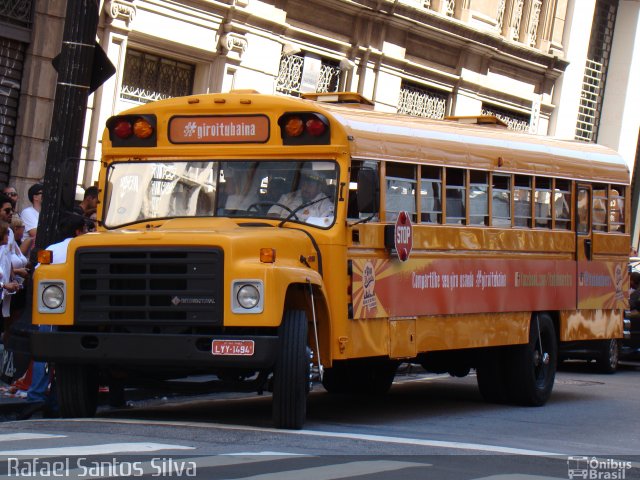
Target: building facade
[{"x": 548, "y": 67}]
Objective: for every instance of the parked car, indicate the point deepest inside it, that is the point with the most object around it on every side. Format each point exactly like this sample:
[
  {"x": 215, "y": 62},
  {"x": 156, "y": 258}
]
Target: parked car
[{"x": 606, "y": 353}]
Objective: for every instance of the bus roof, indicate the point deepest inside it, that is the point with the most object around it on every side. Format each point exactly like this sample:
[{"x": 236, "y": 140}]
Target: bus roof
[
  {"x": 378, "y": 135},
  {"x": 386, "y": 136}
]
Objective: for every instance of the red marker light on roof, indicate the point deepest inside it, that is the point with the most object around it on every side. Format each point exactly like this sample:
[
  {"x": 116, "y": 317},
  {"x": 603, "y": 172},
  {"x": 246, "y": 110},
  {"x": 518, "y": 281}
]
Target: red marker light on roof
[
  {"x": 123, "y": 129},
  {"x": 315, "y": 127}
]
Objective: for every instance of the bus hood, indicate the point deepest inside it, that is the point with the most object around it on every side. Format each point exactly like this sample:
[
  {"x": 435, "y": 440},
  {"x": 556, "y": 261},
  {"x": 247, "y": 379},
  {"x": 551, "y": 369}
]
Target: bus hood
[{"x": 237, "y": 238}]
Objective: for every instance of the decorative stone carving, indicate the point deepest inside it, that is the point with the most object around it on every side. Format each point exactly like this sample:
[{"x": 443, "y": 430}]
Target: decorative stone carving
[
  {"x": 123, "y": 10},
  {"x": 233, "y": 43}
]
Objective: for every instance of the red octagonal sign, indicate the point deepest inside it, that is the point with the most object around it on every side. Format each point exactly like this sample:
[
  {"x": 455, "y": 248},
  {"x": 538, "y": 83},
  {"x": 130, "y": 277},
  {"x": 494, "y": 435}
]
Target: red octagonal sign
[{"x": 403, "y": 236}]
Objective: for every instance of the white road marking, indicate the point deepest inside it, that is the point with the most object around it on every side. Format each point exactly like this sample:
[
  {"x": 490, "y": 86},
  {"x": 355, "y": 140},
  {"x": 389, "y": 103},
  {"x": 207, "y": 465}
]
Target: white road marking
[
  {"x": 351, "y": 436},
  {"x": 102, "y": 449},
  {"x": 340, "y": 470},
  {"x": 14, "y": 437}
]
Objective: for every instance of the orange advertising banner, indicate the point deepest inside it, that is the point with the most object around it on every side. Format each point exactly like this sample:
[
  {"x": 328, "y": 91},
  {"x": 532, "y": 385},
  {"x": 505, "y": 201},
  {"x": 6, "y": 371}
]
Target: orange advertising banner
[
  {"x": 390, "y": 288},
  {"x": 219, "y": 129}
]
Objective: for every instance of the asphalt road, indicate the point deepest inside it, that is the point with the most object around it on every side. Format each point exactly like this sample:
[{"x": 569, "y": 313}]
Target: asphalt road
[{"x": 428, "y": 426}]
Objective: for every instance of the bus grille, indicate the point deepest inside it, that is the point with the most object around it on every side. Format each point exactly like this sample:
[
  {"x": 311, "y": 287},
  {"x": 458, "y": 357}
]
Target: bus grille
[{"x": 150, "y": 287}]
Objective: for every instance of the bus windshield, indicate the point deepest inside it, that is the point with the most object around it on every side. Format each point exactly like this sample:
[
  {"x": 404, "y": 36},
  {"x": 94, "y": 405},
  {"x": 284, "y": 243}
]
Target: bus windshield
[{"x": 297, "y": 191}]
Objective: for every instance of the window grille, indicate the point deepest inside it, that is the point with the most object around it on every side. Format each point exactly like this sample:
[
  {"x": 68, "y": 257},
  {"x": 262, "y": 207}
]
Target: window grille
[
  {"x": 517, "y": 19},
  {"x": 17, "y": 12},
  {"x": 148, "y": 77},
  {"x": 422, "y": 102},
  {"x": 536, "y": 8},
  {"x": 450, "y": 8},
  {"x": 595, "y": 76},
  {"x": 514, "y": 121},
  {"x": 500, "y": 15},
  {"x": 290, "y": 75},
  {"x": 585, "y": 128}
]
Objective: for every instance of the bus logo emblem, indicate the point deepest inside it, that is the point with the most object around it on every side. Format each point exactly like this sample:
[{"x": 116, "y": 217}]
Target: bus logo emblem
[
  {"x": 403, "y": 236},
  {"x": 369, "y": 285}
]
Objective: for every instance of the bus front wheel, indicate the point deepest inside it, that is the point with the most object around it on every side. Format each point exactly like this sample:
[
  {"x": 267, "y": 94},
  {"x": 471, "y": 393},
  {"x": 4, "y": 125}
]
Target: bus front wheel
[
  {"x": 77, "y": 387},
  {"x": 291, "y": 372},
  {"x": 533, "y": 365}
]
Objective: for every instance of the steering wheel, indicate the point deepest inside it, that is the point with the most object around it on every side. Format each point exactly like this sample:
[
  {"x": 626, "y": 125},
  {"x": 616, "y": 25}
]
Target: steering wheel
[{"x": 255, "y": 206}]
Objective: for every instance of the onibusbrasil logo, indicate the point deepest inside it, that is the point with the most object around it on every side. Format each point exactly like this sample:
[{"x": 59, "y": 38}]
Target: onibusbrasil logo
[{"x": 597, "y": 468}]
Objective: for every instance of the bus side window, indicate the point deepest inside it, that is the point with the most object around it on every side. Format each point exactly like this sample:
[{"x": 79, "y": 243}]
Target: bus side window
[
  {"x": 401, "y": 192},
  {"x": 561, "y": 204},
  {"x": 542, "y": 198},
  {"x": 431, "y": 194},
  {"x": 456, "y": 185},
  {"x": 582, "y": 213},
  {"x": 478, "y": 198},
  {"x": 616, "y": 209},
  {"x": 600, "y": 208},
  {"x": 522, "y": 201},
  {"x": 501, "y": 200}
]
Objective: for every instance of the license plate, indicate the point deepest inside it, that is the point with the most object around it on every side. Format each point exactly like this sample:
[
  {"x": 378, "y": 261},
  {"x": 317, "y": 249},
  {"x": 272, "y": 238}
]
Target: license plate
[{"x": 232, "y": 347}]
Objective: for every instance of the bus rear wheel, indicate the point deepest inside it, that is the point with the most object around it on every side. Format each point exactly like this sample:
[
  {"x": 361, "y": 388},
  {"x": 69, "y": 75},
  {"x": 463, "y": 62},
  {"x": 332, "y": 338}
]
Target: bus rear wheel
[
  {"x": 77, "y": 387},
  {"x": 533, "y": 365},
  {"x": 291, "y": 372}
]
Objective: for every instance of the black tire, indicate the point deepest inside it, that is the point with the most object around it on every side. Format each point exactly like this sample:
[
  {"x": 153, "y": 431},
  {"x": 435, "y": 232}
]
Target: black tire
[
  {"x": 77, "y": 387},
  {"x": 607, "y": 362},
  {"x": 291, "y": 372},
  {"x": 491, "y": 374},
  {"x": 532, "y": 367}
]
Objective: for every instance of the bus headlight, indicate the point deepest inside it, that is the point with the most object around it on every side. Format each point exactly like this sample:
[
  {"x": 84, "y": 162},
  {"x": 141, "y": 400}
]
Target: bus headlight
[
  {"x": 247, "y": 296},
  {"x": 51, "y": 297}
]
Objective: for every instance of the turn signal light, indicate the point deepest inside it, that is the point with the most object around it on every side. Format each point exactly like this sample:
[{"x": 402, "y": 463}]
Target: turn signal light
[
  {"x": 304, "y": 128},
  {"x": 45, "y": 257},
  {"x": 294, "y": 127},
  {"x": 142, "y": 128},
  {"x": 268, "y": 255}
]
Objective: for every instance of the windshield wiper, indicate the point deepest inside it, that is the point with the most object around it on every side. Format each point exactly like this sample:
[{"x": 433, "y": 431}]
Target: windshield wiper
[{"x": 304, "y": 205}]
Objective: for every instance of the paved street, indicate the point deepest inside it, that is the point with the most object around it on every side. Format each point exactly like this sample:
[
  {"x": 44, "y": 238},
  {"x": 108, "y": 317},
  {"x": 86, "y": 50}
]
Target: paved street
[{"x": 429, "y": 426}]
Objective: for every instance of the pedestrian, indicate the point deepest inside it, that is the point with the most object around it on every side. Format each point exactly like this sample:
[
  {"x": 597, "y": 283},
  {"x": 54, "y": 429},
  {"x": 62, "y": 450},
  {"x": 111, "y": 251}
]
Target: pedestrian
[
  {"x": 16, "y": 262},
  {"x": 89, "y": 204},
  {"x": 42, "y": 376},
  {"x": 12, "y": 193},
  {"x": 30, "y": 215}
]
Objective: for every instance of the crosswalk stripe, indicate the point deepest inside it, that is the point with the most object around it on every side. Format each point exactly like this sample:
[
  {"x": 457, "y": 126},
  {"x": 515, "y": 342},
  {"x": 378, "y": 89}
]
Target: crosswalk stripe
[
  {"x": 14, "y": 437},
  {"x": 102, "y": 449},
  {"x": 341, "y": 470}
]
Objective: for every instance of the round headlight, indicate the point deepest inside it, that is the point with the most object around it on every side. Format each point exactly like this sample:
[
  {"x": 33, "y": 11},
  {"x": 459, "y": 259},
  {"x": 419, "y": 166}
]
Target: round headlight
[
  {"x": 53, "y": 296},
  {"x": 248, "y": 296}
]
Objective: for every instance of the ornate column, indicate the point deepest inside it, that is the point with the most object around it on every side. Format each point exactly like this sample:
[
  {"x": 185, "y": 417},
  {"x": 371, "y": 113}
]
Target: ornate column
[{"x": 545, "y": 25}]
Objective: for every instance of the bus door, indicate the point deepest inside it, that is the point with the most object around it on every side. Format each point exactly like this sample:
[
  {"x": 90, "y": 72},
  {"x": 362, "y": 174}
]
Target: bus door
[
  {"x": 584, "y": 247},
  {"x": 584, "y": 240}
]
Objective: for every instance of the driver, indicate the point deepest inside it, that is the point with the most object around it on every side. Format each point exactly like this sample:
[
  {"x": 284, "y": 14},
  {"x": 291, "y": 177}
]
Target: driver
[{"x": 310, "y": 194}]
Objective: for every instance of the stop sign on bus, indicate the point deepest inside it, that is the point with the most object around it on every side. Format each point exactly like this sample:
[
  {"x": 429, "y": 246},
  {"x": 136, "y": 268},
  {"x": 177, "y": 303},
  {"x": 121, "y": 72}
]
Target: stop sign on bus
[{"x": 403, "y": 236}]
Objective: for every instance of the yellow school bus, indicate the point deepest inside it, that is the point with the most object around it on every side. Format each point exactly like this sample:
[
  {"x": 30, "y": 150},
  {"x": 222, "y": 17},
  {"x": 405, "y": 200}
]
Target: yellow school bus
[{"x": 269, "y": 240}]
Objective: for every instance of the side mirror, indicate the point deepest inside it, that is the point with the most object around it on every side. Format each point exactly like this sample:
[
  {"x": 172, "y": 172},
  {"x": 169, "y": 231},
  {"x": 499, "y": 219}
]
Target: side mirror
[{"x": 367, "y": 191}]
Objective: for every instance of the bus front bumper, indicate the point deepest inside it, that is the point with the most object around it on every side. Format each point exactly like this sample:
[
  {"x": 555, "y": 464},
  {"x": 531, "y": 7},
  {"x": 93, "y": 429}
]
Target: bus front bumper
[{"x": 133, "y": 349}]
